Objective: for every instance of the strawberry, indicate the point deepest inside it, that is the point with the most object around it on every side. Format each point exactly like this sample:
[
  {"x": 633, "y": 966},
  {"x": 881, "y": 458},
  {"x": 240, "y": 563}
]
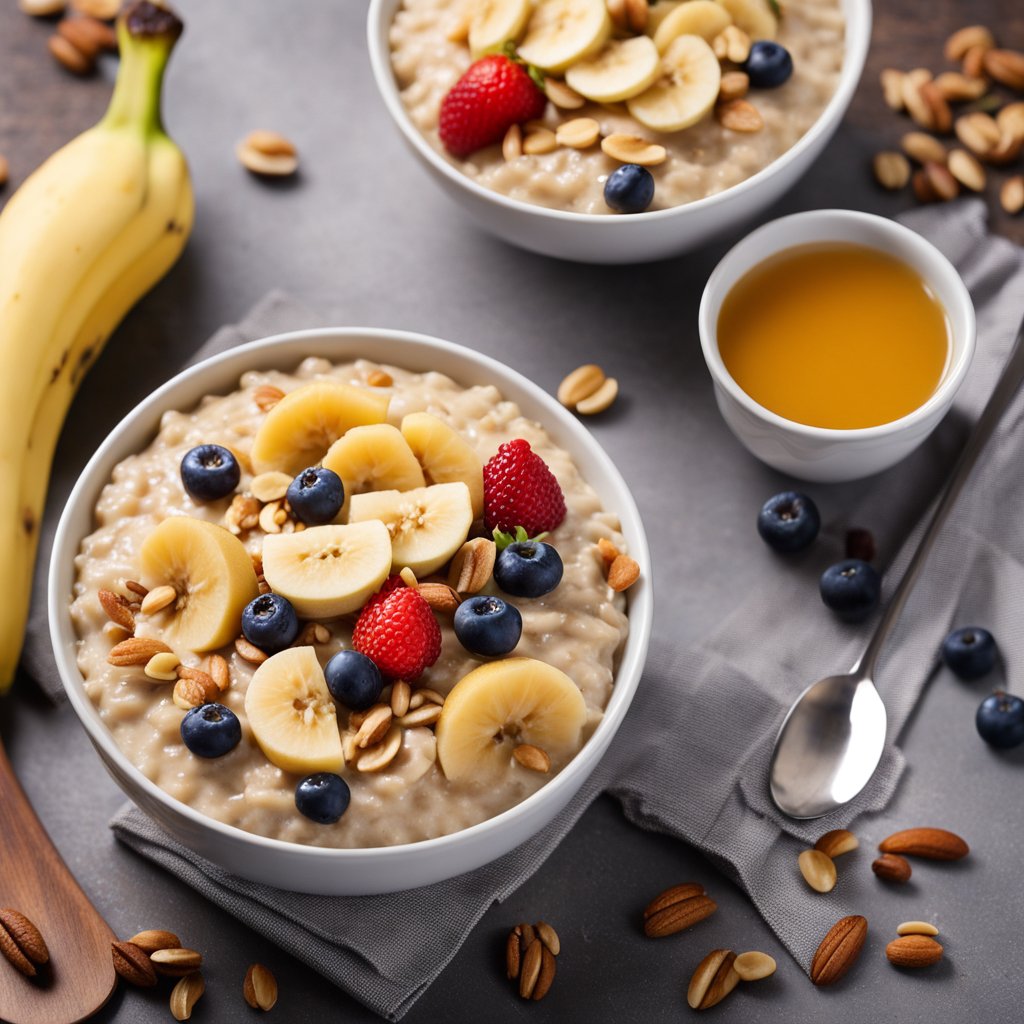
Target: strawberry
[
  {"x": 397, "y": 631},
  {"x": 520, "y": 490},
  {"x": 495, "y": 93}
]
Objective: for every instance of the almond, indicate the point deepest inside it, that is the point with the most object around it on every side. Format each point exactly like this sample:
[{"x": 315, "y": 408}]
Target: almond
[
  {"x": 380, "y": 379},
  {"x": 69, "y": 56},
  {"x": 21, "y": 942},
  {"x": 837, "y": 842},
  {"x": 913, "y": 951},
  {"x": 89, "y": 35},
  {"x": 117, "y": 610},
  {"x": 1011, "y": 194},
  {"x": 818, "y": 870},
  {"x": 966, "y": 169},
  {"x": 260, "y": 988},
  {"x": 958, "y": 88},
  {"x": 607, "y": 550},
  {"x": 529, "y": 971},
  {"x": 623, "y": 573},
  {"x": 922, "y": 186},
  {"x": 922, "y": 147},
  {"x": 932, "y": 843},
  {"x": 713, "y": 980},
  {"x": 965, "y": 39},
  {"x": 892, "y": 88},
  {"x": 133, "y": 964},
  {"x": 676, "y": 914},
  {"x": 892, "y": 868},
  {"x": 941, "y": 115},
  {"x": 839, "y": 949},
  {"x": 978, "y": 132},
  {"x": 943, "y": 184},
  {"x": 1010, "y": 120},
  {"x": 546, "y": 975},
  {"x": 186, "y": 994},
  {"x": 670, "y": 897},
  {"x": 136, "y": 650},
  {"x": 152, "y": 939},
  {"x": 513, "y": 953},
  {"x": 1006, "y": 67},
  {"x": 266, "y": 396},
  {"x": 892, "y": 170},
  {"x": 176, "y": 962},
  {"x": 441, "y": 597},
  {"x": 549, "y": 937}
]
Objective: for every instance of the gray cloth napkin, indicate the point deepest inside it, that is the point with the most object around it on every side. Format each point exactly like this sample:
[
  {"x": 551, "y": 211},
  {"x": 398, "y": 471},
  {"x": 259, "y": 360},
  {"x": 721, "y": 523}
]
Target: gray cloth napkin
[{"x": 691, "y": 757}]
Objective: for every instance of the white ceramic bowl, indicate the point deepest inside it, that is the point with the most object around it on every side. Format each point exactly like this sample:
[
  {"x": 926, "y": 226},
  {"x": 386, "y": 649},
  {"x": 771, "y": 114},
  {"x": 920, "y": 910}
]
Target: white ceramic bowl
[
  {"x": 313, "y": 869},
  {"x": 816, "y": 453},
  {"x": 597, "y": 238}
]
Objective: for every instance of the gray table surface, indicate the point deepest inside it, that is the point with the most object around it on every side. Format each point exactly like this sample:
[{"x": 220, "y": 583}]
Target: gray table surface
[{"x": 365, "y": 237}]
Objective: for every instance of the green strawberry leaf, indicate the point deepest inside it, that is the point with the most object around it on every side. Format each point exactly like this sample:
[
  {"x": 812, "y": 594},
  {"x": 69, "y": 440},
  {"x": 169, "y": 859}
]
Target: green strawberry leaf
[
  {"x": 776, "y": 8},
  {"x": 502, "y": 539}
]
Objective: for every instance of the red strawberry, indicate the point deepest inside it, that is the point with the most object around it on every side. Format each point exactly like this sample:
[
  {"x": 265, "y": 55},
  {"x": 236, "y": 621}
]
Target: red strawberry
[
  {"x": 495, "y": 93},
  {"x": 520, "y": 490},
  {"x": 397, "y": 630}
]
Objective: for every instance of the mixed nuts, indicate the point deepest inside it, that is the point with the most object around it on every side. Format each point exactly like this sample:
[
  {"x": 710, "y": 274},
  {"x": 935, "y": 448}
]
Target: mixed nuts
[{"x": 530, "y": 953}]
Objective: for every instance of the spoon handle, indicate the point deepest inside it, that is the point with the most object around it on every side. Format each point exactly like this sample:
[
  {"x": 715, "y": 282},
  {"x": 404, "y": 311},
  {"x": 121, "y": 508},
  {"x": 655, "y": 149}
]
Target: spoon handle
[{"x": 1006, "y": 387}]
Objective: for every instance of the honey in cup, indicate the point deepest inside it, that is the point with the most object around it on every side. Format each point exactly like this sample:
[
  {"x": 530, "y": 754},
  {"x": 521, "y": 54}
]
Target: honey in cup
[{"x": 834, "y": 335}]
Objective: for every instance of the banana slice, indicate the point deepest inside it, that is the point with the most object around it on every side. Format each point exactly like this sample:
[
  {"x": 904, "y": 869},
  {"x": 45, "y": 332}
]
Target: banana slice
[
  {"x": 445, "y": 455},
  {"x": 327, "y": 571},
  {"x": 562, "y": 32},
  {"x": 502, "y": 704},
  {"x": 427, "y": 526},
  {"x": 212, "y": 574},
  {"x": 686, "y": 90},
  {"x": 755, "y": 17},
  {"x": 297, "y": 432},
  {"x": 622, "y": 70},
  {"x": 496, "y": 22},
  {"x": 292, "y": 715},
  {"x": 658, "y": 12},
  {"x": 704, "y": 18},
  {"x": 374, "y": 458}
]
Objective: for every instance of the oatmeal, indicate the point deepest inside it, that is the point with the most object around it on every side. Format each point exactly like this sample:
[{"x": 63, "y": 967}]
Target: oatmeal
[
  {"x": 729, "y": 141},
  {"x": 217, "y": 535}
]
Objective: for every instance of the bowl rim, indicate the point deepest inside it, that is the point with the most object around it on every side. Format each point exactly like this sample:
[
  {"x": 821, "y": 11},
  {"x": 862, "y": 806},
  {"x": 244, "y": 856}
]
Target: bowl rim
[
  {"x": 955, "y": 300},
  {"x": 858, "y": 18},
  {"x": 97, "y": 473}
]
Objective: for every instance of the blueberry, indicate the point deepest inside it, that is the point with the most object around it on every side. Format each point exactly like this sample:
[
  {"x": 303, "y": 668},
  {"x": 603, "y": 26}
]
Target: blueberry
[
  {"x": 970, "y": 652},
  {"x": 629, "y": 189},
  {"x": 323, "y": 797},
  {"x": 788, "y": 522},
  {"x": 316, "y": 495},
  {"x": 210, "y": 730},
  {"x": 269, "y": 621},
  {"x": 1000, "y": 720},
  {"x": 354, "y": 680},
  {"x": 769, "y": 64},
  {"x": 210, "y": 472},
  {"x": 487, "y": 625},
  {"x": 851, "y": 589},
  {"x": 528, "y": 568}
]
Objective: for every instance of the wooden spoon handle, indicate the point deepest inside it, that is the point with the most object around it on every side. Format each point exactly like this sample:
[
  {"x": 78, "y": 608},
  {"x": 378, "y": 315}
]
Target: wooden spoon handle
[{"x": 35, "y": 881}]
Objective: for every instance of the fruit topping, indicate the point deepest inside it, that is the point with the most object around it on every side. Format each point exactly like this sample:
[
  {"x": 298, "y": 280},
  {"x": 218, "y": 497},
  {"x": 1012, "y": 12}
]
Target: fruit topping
[
  {"x": 520, "y": 490},
  {"x": 1000, "y": 720},
  {"x": 326, "y": 571},
  {"x": 354, "y": 680},
  {"x": 685, "y": 90},
  {"x": 970, "y": 652},
  {"x": 769, "y": 64},
  {"x": 210, "y": 730},
  {"x": 704, "y": 18},
  {"x": 629, "y": 189},
  {"x": 291, "y": 714},
  {"x": 270, "y": 623},
  {"x": 493, "y": 94},
  {"x": 297, "y": 432},
  {"x": 487, "y": 625},
  {"x": 497, "y": 22},
  {"x": 374, "y": 458},
  {"x": 528, "y": 568},
  {"x": 212, "y": 574},
  {"x": 788, "y": 522},
  {"x": 398, "y": 631},
  {"x": 446, "y": 457},
  {"x": 426, "y": 525},
  {"x": 209, "y": 472},
  {"x": 316, "y": 495},
  {"x": 322, "y": 797},
  {"x": 563, "y": 32},
  {"x": 851, "y": 589},
  {"x": 622, "y": 70},
  {"x": 499, "y": 706},
  {"x": 755, "y": 17}
]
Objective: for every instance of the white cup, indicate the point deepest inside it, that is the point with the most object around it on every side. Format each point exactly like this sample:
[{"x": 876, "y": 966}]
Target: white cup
[{"x": 818, "y": 453}]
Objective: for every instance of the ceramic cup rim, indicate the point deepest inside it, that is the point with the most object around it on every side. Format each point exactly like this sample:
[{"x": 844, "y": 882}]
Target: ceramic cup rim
[{"x": 840, "y": 226}]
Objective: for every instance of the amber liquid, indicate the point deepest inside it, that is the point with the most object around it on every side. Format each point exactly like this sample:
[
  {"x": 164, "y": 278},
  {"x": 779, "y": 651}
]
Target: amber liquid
[{"x": 840, "y": 336}]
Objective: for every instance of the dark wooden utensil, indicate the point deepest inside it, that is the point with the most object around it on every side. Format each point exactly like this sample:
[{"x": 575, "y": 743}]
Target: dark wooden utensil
[{"x": 35, "y": 881}]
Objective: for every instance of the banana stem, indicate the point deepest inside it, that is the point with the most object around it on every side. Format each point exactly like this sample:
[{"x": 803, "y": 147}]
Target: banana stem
[{"x": 146, "y": 34}]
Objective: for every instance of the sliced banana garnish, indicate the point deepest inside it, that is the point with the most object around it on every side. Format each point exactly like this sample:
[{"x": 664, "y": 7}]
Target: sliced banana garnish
[
  {"x": 755, "y": 17},
  {"x": 445, "y": 455},
  {"x": 622, "y": 70},
  {"x": 496, "y": 22},
  {"x": 562, "y": 32},
  {"x": 704, "y": 18},
  {"x": 686, "y": 89}
]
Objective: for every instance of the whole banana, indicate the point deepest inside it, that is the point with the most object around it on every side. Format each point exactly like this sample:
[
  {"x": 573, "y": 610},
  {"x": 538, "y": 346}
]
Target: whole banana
[{"x": 86, "y": 235}]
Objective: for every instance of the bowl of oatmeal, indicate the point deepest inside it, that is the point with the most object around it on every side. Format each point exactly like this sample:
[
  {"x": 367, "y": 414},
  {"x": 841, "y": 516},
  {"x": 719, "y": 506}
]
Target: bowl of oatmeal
[
  {"x": 717, "y": 138},
  {"x": 225, "y": 623}
]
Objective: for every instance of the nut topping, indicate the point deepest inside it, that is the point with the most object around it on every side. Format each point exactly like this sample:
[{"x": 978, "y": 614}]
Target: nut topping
[
  {"x": 892, "y": 868},
  {"x": 754, "y": 966},
  {"x": 132, "y": 963},
  {"x": 472, "y": 565},
  {"x": 136, "y": 650},
  {"x": 677, "y": 909},
  {"x": 260, "y": 987},
  {"x": 152, "y": 939},
  {"x": 176, "y": 962},
  {"x": 839, "y": 949},
  {"x": 917, "y": 928},
  {"x": 818, "y": 870},
  {"x": 600, "y": 400},
  {"x": 913, "y": 951},
  {"x": 21, "y": 943},
  {"x": 932, "y": 843},
  {"x": 186, "y": 994},
  {"x": 713, "y": 980},
  {"x": 837, "y": 842},
  {"x": 117, "y": 610},
  {"x": 267, "y": 153},
  {"x": 532, "y": 757},
  {"x": 623, "y": 573},
  {"x": 580, "y": 384}
]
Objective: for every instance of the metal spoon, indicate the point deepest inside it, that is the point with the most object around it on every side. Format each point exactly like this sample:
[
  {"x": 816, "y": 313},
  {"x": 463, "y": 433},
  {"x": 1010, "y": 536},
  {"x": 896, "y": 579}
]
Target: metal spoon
[{"x": 832, "y": 739}]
